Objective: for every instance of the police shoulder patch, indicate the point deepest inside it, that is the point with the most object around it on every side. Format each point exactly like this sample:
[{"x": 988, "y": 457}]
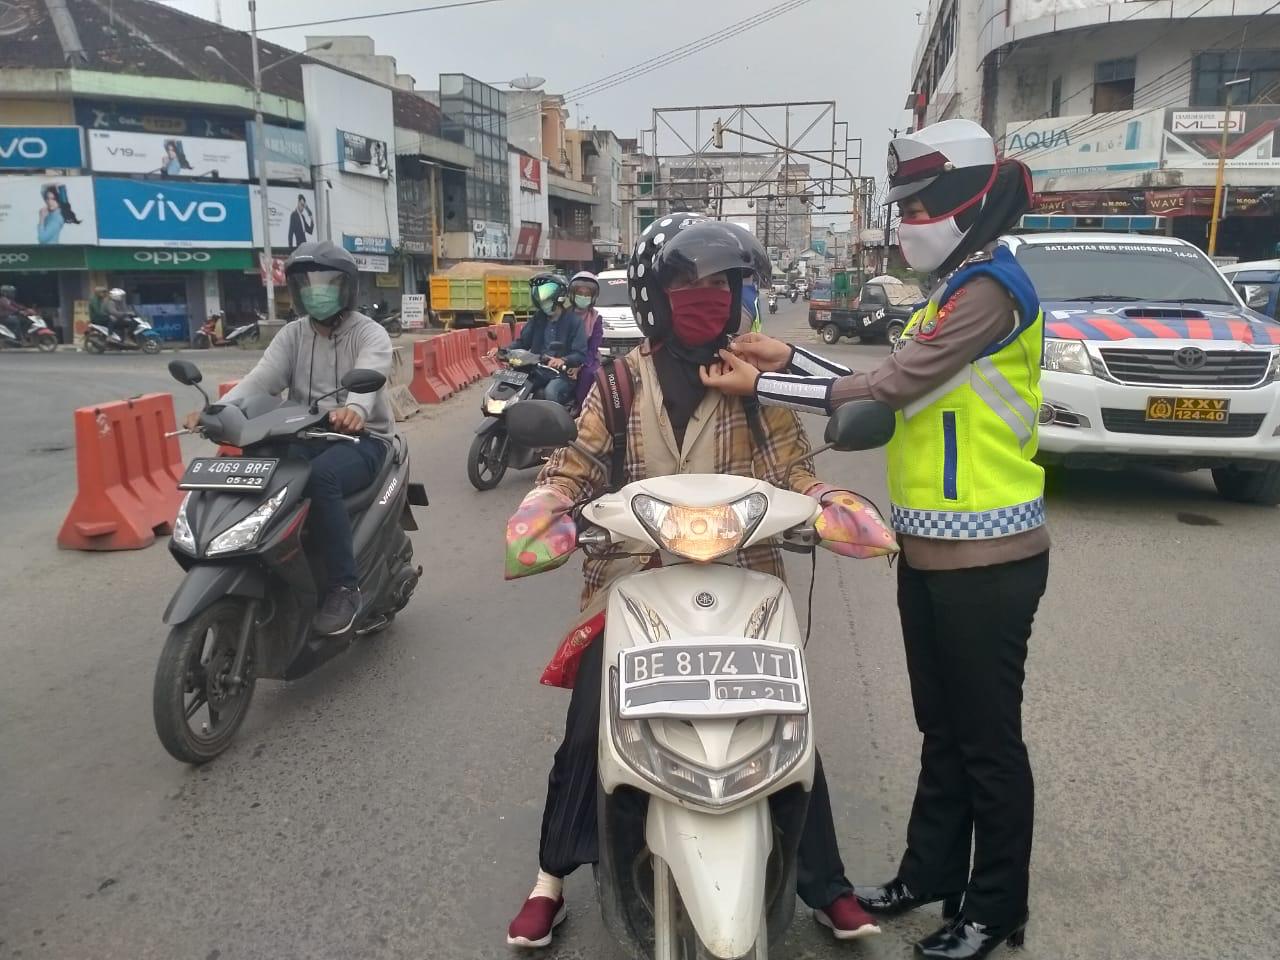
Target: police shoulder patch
[{"x": 930, "y": 327}]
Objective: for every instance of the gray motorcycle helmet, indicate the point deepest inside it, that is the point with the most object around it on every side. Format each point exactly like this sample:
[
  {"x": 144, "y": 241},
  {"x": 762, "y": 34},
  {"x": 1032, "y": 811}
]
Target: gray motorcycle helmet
[{"x": 322, "y": 262}]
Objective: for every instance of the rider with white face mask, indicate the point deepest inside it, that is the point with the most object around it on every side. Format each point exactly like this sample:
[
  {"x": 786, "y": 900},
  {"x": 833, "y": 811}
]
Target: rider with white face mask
[{"x": 968, "y": 507}]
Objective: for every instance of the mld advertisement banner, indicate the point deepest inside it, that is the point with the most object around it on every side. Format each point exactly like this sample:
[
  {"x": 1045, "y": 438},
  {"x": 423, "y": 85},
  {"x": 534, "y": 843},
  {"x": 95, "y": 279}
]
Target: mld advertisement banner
[{"x": 362, "y": 155}]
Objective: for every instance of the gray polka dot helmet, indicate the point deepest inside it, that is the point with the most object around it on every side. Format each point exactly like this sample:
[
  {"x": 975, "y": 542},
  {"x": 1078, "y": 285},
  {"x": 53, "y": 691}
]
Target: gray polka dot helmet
[{"x": 682, "y": 248}]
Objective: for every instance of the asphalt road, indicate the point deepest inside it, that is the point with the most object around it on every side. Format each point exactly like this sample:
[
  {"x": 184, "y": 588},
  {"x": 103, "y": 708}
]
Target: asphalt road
[{"x": 388, "y": 806}]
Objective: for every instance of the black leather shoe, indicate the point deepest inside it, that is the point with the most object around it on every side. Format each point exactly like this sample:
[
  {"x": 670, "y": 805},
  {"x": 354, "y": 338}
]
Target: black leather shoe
[
  {"x": 896, "y": 897},
  {"x": 962, "y": 939}
]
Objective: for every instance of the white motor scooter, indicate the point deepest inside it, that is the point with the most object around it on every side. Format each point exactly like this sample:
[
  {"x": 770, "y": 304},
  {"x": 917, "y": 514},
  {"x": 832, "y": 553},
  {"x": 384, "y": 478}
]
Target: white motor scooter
[{"x": 706, "y": 738}]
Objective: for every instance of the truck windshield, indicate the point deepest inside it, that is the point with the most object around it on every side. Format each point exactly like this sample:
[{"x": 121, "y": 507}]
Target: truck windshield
[
  {"x": 1124, "y": 270},
  {"x": 613, "y": 293}
]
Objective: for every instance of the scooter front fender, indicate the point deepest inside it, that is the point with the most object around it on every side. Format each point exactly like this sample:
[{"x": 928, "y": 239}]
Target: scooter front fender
[
  {"x": 206, "y": 583},
  {"x": 718, "y": 863}
]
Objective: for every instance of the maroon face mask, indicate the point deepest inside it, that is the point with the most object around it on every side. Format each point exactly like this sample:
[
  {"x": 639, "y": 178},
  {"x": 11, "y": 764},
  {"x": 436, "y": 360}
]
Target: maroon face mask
[{"x": 699, "y": 314}]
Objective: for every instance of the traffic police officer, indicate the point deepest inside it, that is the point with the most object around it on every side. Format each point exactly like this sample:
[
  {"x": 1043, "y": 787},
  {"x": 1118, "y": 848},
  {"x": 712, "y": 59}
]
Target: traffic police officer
[{"x": 968, "y": 505}]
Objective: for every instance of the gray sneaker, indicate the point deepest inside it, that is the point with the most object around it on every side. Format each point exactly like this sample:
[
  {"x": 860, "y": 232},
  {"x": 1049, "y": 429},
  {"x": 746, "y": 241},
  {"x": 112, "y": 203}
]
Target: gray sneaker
[{"x": 338, "y": 611}]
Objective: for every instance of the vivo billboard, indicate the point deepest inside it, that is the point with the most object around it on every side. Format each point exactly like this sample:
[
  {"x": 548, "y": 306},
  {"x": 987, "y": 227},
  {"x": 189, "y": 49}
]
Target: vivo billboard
[
  {"x": 150, "y": 213},
  {"x": 47, "y": 211},
  {"x": 41, "y": 148},
  {"x": 115, "y": 151}
]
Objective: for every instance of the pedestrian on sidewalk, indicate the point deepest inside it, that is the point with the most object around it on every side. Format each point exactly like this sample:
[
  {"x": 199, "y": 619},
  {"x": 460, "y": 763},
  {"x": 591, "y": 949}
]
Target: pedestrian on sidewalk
[{"x": 968, "y": 505}]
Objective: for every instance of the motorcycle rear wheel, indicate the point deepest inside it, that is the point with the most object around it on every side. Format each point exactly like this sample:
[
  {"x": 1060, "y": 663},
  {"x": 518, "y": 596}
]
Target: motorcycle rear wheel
[
  {"x": 248, "y": 340},
  {"x": 46, "y": 344},
  {"x": 94, "y": 345},
  {"x": 150, "y": 345},
  {"x": 192, "y": 677},
  {"x": 394, "y": 329},
  {"x": 485, "y": 468}
]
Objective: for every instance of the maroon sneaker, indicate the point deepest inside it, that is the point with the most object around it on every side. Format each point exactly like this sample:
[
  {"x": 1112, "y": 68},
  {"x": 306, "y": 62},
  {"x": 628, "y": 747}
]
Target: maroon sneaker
[
  {"x": 536, "y": 921},
  {"x": 846, "y": 919}
]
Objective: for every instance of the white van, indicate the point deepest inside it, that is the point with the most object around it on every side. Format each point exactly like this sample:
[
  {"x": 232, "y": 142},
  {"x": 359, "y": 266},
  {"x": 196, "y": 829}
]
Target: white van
[{"x": 621, "y": 332}]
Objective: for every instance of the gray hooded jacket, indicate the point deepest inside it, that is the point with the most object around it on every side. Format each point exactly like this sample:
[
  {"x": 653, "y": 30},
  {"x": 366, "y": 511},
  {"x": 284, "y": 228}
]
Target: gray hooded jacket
[{"x": 307, "y": 365}]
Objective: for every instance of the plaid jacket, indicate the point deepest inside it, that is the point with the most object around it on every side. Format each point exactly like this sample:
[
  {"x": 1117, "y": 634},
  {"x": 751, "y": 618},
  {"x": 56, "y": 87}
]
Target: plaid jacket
[{"x": 736, "y": 453}]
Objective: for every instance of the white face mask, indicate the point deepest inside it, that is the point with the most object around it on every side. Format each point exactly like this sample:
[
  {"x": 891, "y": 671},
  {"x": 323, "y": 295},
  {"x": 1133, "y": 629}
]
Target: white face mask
[{"x": 928, "y": 245}]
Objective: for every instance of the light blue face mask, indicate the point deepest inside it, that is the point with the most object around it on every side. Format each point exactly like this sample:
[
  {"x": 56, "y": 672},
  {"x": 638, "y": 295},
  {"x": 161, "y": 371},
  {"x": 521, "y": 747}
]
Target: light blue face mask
[
  {"x": 582, "y": 302},
  {"x": 321, "y": 303}
]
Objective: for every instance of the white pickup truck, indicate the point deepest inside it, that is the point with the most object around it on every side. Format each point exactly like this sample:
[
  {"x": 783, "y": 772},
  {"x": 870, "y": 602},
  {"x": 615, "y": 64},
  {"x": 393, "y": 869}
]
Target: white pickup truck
[{"x": 1151, "y": 357}]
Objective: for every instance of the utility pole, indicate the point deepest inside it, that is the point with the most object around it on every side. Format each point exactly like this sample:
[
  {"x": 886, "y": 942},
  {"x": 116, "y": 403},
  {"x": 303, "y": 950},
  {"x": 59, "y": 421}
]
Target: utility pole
[
  {"x": 1222, "y": 167},
  {"x": 260, "y": 148}
]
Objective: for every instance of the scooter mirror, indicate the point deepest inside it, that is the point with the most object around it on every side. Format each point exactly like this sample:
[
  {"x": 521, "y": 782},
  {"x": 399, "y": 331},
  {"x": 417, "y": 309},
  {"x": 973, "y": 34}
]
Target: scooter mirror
[
  {"x": 360, "y": 380},
  {"x": 860, "y": 425},
  {"x": 540, "y": 423},
  {"x": 185, "y": 372}
]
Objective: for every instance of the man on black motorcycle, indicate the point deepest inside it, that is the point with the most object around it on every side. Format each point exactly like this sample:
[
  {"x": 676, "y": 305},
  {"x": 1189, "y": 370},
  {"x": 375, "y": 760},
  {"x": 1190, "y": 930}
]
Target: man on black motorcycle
[
  {"x": 13, "y": 314},
  {"x": 555, "y": 332},
  {"x": 309, "y": 360}
]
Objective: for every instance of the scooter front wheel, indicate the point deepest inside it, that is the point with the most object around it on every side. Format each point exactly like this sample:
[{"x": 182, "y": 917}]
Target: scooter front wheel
[
  {"x": 94, "y": 345},
  {"x": 394, "y": 329},
  {"x": 487, "y": 459},
  {"x": 196, "y": 703}
]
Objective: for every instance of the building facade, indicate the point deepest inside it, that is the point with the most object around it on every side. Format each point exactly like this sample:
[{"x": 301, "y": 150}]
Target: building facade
[
  {"x": 1120, "y": 108},
  {"x": 476, "y": 204},
  {"x": 595, "y": 157}
]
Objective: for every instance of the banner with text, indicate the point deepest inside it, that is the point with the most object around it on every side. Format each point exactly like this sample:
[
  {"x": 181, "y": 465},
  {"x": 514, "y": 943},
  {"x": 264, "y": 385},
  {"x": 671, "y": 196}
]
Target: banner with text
[
  {"x": 287, "y": 154},
  {"x": 137, "y": 118},
  {"x": 1193, "y": 138},
  {"x": 145, "y": 213},
  {"x": 292, "y": 213},
  {"x": 41, "y": 148},
  {"x": 1126, "y": 141},
  {"x": 47, "y": 211},
  {"x": 363, "y": 155},
  {"x": 115, "y": 151}
]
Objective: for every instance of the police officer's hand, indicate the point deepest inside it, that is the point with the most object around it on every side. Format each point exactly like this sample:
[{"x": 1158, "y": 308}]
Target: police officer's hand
[
  {"x": 191, "y": 420},
  {"x": 346, "y": 420},
  {"x": 732, "y": 375},
  {"x": 762, "y": 352}
]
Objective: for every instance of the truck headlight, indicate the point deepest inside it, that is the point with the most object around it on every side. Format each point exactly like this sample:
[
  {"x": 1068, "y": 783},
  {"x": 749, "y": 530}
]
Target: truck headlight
[
  {"x": 715, "y": 788},
  {"x": 701, "y": 534},
  {"x": 182, "y": 534},
  {"x": 1066, "y": 356},
  {"x": 245, "y": 533}
]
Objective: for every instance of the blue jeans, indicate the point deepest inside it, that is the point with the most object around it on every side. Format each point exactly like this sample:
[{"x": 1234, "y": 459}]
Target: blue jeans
[
  {"x": 338, "y": 469},
  {"x": 561, "y": 390}
]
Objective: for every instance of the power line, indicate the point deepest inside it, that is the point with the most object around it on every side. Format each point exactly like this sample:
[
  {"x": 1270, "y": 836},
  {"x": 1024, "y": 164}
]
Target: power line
[{"x": 671, "y": 56}]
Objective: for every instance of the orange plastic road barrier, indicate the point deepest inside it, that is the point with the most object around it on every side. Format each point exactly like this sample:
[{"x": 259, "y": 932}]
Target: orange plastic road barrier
[
  {"x": 469, "y": 361},
  {"x": 429, "y": 384},
  {"x": 506, "y": 335},
  {"x": 127, "y": 473},
  {"x": 455, "y": 362}
]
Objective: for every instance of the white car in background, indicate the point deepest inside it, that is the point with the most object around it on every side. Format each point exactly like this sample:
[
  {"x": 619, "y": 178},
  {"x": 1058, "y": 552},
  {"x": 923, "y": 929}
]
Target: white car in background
[
  {"x": 621, "y": 332},
  {"x": 1151, "y": 357}
]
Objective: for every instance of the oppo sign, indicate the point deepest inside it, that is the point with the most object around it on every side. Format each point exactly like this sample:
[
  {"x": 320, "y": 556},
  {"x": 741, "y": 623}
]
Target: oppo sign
[
  {"x": 14, "y": 259},
  {"x": 171, "y": 257}
]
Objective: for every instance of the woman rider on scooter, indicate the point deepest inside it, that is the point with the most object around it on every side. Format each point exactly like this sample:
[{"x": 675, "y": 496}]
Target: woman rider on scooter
[{"x": 686, "y": 281}]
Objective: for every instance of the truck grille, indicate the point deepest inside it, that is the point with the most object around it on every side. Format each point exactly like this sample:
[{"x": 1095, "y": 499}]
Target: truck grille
[
  {"x": 1222, "y": 368},
  {"x": 1135, "y": 421}
]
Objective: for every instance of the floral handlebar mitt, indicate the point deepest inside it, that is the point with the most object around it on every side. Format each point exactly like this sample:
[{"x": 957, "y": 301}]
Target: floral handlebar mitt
[
  {"x": 541, "y": 535},
  {"x": 851, "y": 525}
]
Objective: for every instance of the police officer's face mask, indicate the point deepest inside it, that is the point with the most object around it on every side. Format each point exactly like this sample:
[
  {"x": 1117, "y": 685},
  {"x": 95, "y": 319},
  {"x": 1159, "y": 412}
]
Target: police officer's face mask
[{"x": 928, "y": 245}]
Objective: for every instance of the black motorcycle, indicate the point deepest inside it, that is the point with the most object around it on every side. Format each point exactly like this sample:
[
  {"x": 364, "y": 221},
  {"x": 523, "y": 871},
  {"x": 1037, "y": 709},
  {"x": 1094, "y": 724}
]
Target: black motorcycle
[
  {"x": 390, "y": 321},
  {"x": 524, "y": 375},
  {"x": 773, "y": 303},
  {"x": 253, "y": 581}
]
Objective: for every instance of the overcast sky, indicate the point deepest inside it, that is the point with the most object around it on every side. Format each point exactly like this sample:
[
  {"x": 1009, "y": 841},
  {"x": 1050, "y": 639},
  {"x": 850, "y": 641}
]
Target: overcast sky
[{"x": 855, "y": 52}]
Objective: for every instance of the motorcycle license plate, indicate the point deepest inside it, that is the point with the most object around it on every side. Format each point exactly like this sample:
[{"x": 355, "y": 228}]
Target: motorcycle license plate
[
  {"x": 708, "y": 678},
  {"x": 515, "y": 378},
  {"x": 228, "y": 474},
  {"x": 1201, "y": 409}
]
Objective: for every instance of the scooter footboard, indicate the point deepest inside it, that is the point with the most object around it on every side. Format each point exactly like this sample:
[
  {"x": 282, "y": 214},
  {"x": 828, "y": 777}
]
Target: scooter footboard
[{"x": 718, "y": 863}]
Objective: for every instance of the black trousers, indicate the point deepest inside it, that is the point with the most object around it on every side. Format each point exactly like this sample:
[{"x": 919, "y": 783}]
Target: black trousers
[
  {"x": 569, "y": 827},
  {"x": 966, "y": 634}
]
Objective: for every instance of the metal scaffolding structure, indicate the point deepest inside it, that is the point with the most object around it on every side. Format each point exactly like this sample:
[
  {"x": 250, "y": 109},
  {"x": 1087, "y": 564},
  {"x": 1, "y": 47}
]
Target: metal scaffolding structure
[{"x": 772, "y": 166}]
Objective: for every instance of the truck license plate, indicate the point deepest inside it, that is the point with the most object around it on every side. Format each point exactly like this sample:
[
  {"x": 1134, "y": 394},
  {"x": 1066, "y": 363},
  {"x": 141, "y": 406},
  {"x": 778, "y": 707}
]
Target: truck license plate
[{"x": 1201, "y": 409}]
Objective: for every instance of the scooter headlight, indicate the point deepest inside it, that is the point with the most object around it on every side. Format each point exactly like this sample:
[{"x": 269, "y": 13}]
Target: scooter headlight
[
  {"x": 182, "y": 534},
  {"x": 637, "y": 746},
  {"x": 245, "y": 533},
  {"x": 493, "y": 405},
  {"x": 700, "y": 534}
]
